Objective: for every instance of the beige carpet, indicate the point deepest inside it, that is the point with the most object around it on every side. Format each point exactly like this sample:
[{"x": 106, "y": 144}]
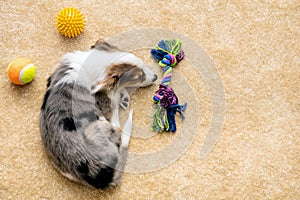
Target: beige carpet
[{"x": 254, "y": 48}]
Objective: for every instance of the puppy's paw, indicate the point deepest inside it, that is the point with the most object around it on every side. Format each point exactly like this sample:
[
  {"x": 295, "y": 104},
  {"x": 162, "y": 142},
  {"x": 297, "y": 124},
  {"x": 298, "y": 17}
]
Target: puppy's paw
[{"x": 124, "y": 99}]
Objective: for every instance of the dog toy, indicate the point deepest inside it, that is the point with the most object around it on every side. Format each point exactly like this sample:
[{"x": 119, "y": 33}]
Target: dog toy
[
  {"x": 21, "y": 71},
  {"x": 168, "y": 53},
  {"x": 70, "y": 22}
]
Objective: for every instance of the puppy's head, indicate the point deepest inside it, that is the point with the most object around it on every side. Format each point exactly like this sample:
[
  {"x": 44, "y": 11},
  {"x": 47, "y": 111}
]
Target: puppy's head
[{"x": 128, "y": 71}]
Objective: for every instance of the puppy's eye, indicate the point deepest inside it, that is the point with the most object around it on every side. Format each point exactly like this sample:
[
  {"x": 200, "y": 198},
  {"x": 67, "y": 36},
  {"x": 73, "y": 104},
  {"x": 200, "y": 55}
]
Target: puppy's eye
[
  {"x": 143, "y": 77},
  {"x": 136, "y": 77},
  {"x": 140, "y": 77}
]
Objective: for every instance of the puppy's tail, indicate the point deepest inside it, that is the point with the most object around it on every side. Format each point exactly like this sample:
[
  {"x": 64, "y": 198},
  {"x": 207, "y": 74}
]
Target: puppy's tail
[{"x": 125, "y": 138}]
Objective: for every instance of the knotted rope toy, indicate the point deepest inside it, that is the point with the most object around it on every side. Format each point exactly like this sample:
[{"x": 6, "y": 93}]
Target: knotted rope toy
[{"x": 168, "y": 53}]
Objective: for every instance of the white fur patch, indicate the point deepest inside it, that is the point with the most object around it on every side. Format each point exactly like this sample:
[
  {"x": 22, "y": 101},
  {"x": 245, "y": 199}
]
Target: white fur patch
[
  {"x": 69, "y": 176},
  {"x": 71, "y": 75},
  {"x": 126, "y": 57},
  {"x": 76, "y": 61},
  {"x": 88, "y": 67}
]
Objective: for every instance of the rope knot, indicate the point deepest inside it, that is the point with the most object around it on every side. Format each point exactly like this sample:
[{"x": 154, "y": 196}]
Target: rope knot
[
  {"x": 168, "y": 60},
  {"x": 166, "y": 96}
]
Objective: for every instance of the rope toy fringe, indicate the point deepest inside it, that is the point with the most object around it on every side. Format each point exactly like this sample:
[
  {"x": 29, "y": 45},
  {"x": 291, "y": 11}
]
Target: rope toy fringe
[{"x": 168, "y": 53}]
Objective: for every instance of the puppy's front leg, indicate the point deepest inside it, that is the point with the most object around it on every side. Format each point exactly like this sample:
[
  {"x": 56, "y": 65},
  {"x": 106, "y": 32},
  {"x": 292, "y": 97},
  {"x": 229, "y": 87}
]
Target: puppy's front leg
[
  {"x": 115, "y": 120},
  {"x": 120, "y": 98}
]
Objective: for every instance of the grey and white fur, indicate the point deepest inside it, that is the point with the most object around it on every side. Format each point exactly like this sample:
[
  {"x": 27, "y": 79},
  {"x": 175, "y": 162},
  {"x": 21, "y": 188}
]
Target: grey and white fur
[{"x": 79, "y": 120}]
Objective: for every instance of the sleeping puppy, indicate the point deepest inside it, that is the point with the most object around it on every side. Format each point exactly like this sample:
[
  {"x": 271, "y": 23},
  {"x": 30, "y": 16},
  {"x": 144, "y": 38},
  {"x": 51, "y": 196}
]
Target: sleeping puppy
[{"x": 79, "y": 120}]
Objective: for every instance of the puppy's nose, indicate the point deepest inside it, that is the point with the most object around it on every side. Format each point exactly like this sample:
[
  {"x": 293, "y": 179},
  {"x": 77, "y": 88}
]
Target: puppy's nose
[{"x": 155, "y": 78}]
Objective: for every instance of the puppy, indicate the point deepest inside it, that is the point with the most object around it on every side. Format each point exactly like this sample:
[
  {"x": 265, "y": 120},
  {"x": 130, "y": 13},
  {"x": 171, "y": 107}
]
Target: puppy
[{"x": 79, "y": 120}]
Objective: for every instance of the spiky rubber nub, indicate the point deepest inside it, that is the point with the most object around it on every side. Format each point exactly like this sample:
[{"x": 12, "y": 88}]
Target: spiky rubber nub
[{"x": 70, "y": 22}]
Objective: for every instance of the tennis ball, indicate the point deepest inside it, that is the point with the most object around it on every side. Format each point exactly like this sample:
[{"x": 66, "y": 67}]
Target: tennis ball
[{"x": 21, "y": 71}]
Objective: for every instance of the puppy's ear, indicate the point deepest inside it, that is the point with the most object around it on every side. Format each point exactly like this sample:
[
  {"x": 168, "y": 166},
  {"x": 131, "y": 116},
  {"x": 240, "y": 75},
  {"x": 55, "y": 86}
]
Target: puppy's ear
[
  {"x": 116, "y": 75},
  {"x": 109, "y": 82},
  {"x": 102, "y": 45}
]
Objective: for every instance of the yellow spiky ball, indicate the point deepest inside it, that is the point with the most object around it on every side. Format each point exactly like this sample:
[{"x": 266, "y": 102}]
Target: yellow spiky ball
[{"x": 70, "y": 22}]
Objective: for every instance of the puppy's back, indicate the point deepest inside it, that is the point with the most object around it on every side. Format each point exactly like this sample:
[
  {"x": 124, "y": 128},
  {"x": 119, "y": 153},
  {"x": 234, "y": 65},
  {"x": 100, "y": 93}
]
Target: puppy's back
[{"x": 78, "y": 143}]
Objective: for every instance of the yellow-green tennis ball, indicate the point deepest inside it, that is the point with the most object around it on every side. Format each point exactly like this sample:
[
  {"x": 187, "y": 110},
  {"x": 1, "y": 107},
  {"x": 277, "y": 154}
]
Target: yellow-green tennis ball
[{"x": 21, "y": 71}]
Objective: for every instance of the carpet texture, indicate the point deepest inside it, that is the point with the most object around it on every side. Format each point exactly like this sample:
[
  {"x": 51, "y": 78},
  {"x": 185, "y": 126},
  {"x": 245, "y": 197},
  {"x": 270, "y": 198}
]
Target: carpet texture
[{"x": 251, "y": 47}]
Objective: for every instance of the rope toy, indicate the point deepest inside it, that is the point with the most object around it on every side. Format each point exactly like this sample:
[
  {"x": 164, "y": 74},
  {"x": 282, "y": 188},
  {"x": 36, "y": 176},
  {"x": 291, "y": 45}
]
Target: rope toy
[{"x": 167, "y": 53}]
